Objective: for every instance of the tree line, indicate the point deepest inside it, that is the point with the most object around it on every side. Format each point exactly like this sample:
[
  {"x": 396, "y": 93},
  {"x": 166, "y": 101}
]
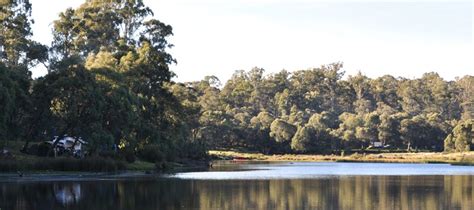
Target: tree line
[
  {"x": 109, "y": 81},
  {"x": 319, "y": 111}
]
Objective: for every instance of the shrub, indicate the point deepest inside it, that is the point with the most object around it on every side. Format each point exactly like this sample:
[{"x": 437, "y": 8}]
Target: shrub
[
  {"x": 41, "y": 150},
  {"x": 110, "y": 154},
  {"x": 128, "y": 154},
  {"x": 151, "y": 153}
]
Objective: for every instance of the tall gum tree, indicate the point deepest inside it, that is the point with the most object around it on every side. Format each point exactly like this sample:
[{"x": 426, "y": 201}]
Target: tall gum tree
[
  {"x": 18, "y": 53},
  {"x": 123, "y": 48}
]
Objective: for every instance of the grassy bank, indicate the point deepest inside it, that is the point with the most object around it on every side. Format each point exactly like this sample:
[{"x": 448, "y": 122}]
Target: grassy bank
[
  {"x": 23, "y": 162},
  {"x": 93, "y": 164},
  {"x": 465, "y": 158}
]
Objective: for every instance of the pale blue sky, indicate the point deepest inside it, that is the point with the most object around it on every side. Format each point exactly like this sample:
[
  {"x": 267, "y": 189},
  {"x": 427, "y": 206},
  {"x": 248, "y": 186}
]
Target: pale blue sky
[{"x": 215, "y": 37}]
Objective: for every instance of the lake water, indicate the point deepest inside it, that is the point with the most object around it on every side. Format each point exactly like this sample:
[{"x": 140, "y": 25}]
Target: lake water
[{"x": 354, "y": 186}]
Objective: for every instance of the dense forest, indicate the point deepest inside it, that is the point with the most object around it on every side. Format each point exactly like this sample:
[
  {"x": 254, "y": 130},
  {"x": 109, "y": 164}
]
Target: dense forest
[
  {"x": 109, "y": 82},
  {"x": 317, "y": 111}
]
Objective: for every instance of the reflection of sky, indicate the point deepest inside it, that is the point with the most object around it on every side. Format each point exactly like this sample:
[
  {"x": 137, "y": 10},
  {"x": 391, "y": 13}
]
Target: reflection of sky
[
  {"x": 67, "y": 194},
  {"x": 403, "y": 38},
  {"x": 308, "y": 170}
]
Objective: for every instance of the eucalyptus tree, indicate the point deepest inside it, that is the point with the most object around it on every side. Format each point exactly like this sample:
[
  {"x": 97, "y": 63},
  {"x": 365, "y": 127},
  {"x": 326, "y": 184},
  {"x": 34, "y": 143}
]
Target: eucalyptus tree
[
  {"x": 385, "y": 91},
  {"x": 310, "y": 139},
  {"x": 18, "y": 52},
  {"x": 282, "y": 131},
  {"x": 260, "y": 126},
  {"x": 461, "y": 137},
  {"x": 389, "y": 130},
  {"x": 363, "y": 92},
  {"x": 119, "y": 52},
  {"x": 466, "y": 96},
  {"x": 17, "y": 49},
  {"x": 70, "y": 102},
  {"x": 441, "y": 97}
]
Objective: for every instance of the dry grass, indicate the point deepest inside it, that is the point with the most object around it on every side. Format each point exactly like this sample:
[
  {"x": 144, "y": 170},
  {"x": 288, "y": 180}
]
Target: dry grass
[{"x": 465, "y": 158}]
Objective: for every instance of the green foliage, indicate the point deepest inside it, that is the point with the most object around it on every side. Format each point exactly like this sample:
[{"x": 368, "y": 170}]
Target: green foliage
[
  {"x": 72, "y": 101},
  {"x": 109, "y": 81},
  {"x": 15, "y": 102},
  {"x": 262, "y": 121},
  {"x": 388, "y": 130},
  {"x": 151, "y": 153},
  {"x": 302, "y": 139},
  {"x": 330, "y": 113},
  {"x": 310, "y": 139},
  {"x": 466, "y": 96},
  {"x": 128, "y": 154},
  {"x": 7, "y": 102},
  {"x": 16, "y": 47},
  {"x": 462, "y": 136},
  {"x": 449, "y": 144},
  {"x": 282, "y": 131},
  {"x": 17, "y": 53},
  {"x": 322, "y": 121}
]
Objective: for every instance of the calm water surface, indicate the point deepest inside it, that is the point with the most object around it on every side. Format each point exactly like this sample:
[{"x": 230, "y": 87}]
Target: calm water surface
[{"x": 253, "y": 186}]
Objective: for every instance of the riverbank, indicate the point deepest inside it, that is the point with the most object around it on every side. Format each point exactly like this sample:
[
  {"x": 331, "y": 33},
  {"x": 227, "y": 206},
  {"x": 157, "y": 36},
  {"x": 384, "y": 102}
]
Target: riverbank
[
  {"x": 32, "y": 164},
  {"x": 18, "y": 162},
  {"x": 465, "y": 158}
]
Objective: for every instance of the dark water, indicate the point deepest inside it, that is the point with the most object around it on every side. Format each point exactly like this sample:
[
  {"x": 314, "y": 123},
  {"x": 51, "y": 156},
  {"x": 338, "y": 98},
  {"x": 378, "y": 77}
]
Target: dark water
[{"x": 255, "y": 186}]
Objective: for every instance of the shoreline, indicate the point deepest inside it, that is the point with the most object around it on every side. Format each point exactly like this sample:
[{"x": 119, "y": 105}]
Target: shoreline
[
  {"x": 465, "y": 158},
  {"x": 20, "y": 163},
  {"x": 54, "y": 166},
  {"x": 141, "y": 168},
  {"x": 127, "y": 174}
]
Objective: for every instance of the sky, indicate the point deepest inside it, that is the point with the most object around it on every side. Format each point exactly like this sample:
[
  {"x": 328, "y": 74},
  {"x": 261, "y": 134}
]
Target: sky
[{"x": 213, "y": 37}]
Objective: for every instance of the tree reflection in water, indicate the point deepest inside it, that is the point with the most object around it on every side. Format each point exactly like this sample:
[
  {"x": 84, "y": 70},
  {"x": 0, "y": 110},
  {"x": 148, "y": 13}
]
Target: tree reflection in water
[{"x": 355, "y": 193}]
